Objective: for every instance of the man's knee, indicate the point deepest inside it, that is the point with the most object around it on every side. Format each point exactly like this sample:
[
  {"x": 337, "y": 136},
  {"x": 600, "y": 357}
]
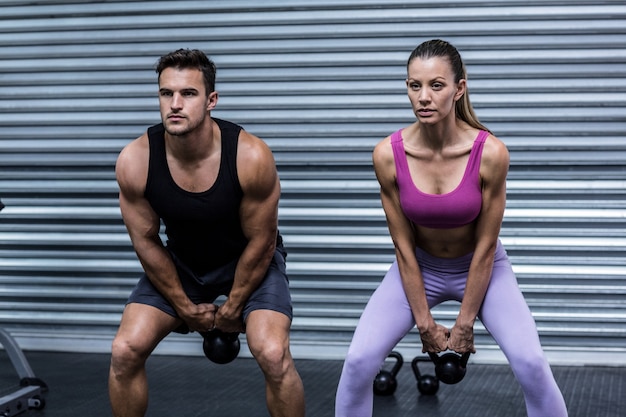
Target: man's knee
[
  {"x": 141, "y": 329},
  {"x": 126, "y": 356},
  {"x": 272, "y": 356}
]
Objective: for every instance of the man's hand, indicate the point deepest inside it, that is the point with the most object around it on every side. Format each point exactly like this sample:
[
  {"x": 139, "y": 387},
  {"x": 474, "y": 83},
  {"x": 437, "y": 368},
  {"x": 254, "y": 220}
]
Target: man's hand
[
  {"x": 201, "y": 318},
  {"x": 229, "y": 320}
]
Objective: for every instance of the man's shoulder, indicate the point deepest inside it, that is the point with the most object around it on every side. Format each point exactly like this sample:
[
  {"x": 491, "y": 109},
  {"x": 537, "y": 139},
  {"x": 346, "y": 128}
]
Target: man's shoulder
[
  {"x": 133, "y": 157},
  {"x": 131, "y": 173}
]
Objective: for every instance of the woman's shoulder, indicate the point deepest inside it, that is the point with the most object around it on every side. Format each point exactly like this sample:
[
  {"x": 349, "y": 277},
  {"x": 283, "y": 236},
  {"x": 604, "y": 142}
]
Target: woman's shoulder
[
  {"x": 383, "y": 151},
  {"x": 495, "y": 148},
  {"x": 495, "y": 155},
  {"x": 383, "y": 160},
  {"x": 384, "y": 146}
]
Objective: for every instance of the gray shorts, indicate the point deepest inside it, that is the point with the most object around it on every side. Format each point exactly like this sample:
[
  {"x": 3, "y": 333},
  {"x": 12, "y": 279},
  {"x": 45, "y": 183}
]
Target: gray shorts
[{"x": 272, "y": 294}]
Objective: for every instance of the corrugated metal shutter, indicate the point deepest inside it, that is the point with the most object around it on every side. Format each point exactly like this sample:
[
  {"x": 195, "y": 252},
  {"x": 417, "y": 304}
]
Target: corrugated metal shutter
[{"x": 322, "y": 82}]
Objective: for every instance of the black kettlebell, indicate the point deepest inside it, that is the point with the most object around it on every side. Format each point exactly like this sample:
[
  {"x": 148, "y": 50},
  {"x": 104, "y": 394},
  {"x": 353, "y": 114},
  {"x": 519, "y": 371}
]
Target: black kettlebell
[
  {"x": 385, "y": 382},
  {"x": 450, "y": 367},
  {"x": 426, "y": 384},
  {"x": 220, "y": 347}
]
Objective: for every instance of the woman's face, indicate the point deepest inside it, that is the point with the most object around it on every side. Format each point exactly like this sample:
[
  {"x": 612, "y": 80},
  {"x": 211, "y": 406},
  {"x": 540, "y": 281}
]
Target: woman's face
[{"x": 432, "y": 89}]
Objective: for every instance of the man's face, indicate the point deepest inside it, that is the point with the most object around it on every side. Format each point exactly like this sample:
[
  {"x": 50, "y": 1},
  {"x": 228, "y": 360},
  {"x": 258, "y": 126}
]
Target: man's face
[{"x": 183, "y": 100}]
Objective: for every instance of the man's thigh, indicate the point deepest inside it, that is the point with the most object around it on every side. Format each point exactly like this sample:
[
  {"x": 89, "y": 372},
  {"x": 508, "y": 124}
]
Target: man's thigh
[
  {"x": 265, "y": 328},
  {"x": 143, "y": 326}
]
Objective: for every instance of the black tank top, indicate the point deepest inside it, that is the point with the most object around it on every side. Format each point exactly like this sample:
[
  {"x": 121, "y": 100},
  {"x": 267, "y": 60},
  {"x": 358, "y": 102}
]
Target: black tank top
[{"x": 203, "y": 229}]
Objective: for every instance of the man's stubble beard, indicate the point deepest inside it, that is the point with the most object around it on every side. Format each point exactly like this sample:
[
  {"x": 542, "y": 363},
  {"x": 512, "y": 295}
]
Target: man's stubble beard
[{"x": 185, "y": 129}]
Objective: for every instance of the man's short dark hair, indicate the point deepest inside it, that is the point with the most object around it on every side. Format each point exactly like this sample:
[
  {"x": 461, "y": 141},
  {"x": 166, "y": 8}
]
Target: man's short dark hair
[{"x": 190, "y": 58}]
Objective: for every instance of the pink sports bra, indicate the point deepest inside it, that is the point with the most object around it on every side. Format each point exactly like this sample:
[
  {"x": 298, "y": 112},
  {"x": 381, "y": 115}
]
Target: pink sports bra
[{"x": 457, "y": 208}]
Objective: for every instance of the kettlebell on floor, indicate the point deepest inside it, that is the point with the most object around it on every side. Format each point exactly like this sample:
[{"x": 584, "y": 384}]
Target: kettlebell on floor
[
  {"x": 385, "y": 382},
  {"x": 450, "y": 368},
  {"x": 426, "y": 384}
]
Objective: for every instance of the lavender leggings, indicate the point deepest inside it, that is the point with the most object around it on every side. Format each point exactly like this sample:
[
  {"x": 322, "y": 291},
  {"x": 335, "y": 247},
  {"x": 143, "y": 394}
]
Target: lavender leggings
[{"x": 387, "y": 318}]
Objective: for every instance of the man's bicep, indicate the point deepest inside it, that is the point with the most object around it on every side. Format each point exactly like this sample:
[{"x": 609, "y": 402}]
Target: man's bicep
[
  {"x": 261, "y": 188},
  {"x": 259, "y": 212}
]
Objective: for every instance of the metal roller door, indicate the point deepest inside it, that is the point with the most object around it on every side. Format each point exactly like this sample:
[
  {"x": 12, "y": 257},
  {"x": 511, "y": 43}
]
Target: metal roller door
[{"x": 321, "y": 82}]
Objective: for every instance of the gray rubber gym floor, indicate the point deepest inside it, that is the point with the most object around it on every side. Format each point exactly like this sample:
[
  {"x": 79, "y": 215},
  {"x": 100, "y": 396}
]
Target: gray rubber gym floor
[{"x": 192, "y": 386}]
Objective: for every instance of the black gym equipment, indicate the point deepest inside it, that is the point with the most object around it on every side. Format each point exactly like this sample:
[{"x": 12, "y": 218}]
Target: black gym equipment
[
  {"x": 31, "y": 387},
  {"x": 385, "y": 382},
  {"x": 220, "y": 347},
  {"x": 29, "y": 395},
  {"x": 450, "y": 368},
  {"x": 426, "y": 384}
]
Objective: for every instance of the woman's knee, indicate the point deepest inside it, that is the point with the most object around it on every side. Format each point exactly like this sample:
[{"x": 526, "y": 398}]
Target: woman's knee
[
  {"x": 531, "y": 368},
  {"x": 362, "y": 364}
]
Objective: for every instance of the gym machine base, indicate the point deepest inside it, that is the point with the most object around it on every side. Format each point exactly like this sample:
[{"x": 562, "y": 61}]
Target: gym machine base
[{"x": 29, "y": 395}]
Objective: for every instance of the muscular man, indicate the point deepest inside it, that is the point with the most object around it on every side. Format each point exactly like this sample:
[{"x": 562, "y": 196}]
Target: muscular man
[{"x": 216, "y": 189}]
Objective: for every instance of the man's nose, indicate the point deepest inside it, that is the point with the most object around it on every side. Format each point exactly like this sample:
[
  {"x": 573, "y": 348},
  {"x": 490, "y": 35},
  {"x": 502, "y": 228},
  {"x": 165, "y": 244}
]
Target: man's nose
[{"x": 177, "y": 101}]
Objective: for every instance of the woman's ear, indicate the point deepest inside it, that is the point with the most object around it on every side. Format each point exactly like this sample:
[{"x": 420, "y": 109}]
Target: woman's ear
[{"x": 461, "y": 88}]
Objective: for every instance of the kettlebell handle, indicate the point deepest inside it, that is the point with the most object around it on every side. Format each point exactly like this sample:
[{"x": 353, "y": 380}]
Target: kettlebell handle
[
  {"x": 399, "y": 361},
  {"x": 415, "y": 367},
  {"x": 385, "y": 382},
  {"x": 463, "y": 359},
  {"x": 450, "y": 368},
  {"x": 426, "y": 384}
]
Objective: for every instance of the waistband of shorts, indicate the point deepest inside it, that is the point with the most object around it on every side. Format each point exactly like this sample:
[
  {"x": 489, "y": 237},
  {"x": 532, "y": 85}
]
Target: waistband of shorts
[{"x": 427, "y": 260}]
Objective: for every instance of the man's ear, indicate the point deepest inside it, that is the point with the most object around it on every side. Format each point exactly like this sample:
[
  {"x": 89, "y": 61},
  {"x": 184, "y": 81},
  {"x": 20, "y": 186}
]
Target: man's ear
[{"x": 212, "y": 100}]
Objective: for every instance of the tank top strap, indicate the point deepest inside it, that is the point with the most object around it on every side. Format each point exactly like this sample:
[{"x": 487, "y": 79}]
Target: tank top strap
[
  {"x": 230, "y": 141},
  {"x": 482, "y": 136},
  {"x": 157, "y": 165},
  {"x": 473, "y": 165},
  {"x": 399, "y": 156},
  {"x": 156, "y": 139},
  {"x": 396, "y": 136}
]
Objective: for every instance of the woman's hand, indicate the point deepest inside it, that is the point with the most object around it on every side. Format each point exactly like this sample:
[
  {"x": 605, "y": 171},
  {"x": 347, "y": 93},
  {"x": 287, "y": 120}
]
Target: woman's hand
[
  {"x": 435, "y": 338},
  {"x": 462, "y": 339}
]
